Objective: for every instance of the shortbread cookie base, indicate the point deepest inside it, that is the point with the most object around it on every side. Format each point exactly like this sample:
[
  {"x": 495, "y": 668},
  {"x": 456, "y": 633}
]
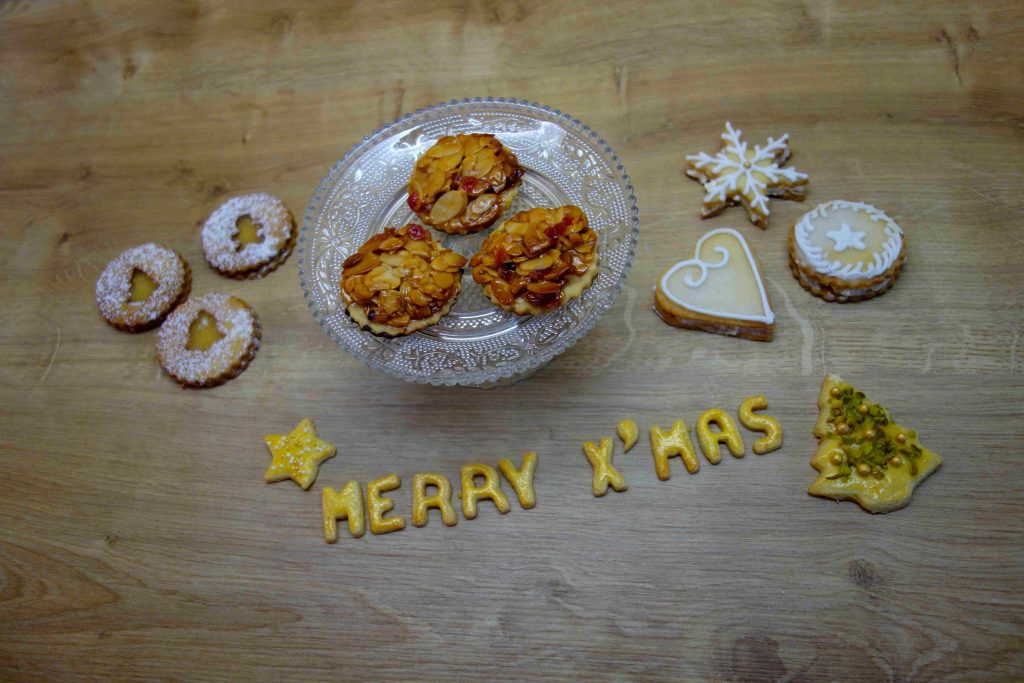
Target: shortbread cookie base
[{"x": 677, "y": 316}]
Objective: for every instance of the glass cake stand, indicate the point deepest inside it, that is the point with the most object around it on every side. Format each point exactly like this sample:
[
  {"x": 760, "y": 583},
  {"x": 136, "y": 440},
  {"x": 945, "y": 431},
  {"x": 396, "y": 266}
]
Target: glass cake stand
[{"x": 477, "y": 344}]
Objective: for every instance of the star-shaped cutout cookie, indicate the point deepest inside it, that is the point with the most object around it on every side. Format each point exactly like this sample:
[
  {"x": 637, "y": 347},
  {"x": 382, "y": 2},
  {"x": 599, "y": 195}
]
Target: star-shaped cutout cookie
[
  {"x": 740, "y": 175},
  {"x": 297, "y": 456}
]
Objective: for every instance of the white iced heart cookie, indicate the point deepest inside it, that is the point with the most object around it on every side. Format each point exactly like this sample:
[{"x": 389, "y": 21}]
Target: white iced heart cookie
[
  {"x": 846, "y": 251},
  {"x": 718, "y": 290}
]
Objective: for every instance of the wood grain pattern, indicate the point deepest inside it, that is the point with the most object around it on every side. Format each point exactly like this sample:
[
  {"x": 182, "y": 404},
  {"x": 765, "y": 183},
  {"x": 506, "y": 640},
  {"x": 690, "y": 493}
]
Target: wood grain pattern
[{"x": 138, "y": 540}]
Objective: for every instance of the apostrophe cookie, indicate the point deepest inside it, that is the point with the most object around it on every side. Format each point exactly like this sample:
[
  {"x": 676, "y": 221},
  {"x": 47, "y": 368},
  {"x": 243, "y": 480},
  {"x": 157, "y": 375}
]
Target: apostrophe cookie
[
  {"x": 740, "y": 175},
  {"x": 846, "y": 251},
  {"x": 297, "y": 456},
  {"x": 400, "y": 280},
  {"x": 463, "y": 183},
  {"x": 537, "y": 260},
  {"x": 863, "y": 455},
  {"x": 719, "y": 290},
  {"x": 629, "y": 433},
  {"x": 208, "y": 340},
  {"x": 137, "y": 290},
  {"x": 248, "y": 237}
]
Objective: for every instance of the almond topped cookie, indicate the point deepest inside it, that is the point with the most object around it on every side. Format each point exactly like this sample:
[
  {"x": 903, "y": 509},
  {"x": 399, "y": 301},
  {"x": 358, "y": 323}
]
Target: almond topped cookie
[
  {"x": 537, "y": 260},
  {"x": 137, "y": 290},
  {"x": 464, "y": 183},
  {"x": 400, "y": 280}
]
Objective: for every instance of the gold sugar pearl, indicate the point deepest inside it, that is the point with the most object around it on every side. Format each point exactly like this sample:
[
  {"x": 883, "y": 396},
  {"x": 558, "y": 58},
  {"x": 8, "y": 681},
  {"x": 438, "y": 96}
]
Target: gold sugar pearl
[
  {"x": 836, "y": 459},
  {"x": 835, "y": 392},
  {"x": 862, "y": 409},
  {"x": 863, "y": 469},
  {"x": 843, "y": 429},
  {"x": 895, "y": 461},
  {"x": 901, "y": 438},
  {"x": 870, "y": 434}
]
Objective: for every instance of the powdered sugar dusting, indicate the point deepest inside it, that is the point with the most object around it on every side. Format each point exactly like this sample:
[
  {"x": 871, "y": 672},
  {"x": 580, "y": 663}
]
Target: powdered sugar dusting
[
  {"x": 276, "y": 228},
  {"x": 114, "y": 286},
  {"x": 235, "y": 321}
]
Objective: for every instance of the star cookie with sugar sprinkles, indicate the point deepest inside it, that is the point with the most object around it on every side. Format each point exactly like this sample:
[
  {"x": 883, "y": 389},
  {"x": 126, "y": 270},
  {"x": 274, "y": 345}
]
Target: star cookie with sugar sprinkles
[
  {"x": 297, "y": 456},
  {"x": 738, "y": 174}
]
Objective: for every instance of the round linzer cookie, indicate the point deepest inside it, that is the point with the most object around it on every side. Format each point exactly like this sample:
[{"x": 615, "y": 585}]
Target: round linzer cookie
[
  {"x": 208, "y": 340},
  {"x": 537, "y": 260},
  {"x": 248, "y": 237},
  {"x": 846, "y": 251},
  {"x": 463, "y": 183},
  {"x": 400, "y": 280},
  {"x": 137, "y": 290}
]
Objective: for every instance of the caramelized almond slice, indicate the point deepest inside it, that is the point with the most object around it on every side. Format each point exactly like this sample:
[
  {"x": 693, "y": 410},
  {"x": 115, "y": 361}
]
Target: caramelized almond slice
[
  {"x": 448, "y": 206},
  {"x": 444, "y": 147},
  {"x": 393, "y": 259},
  {"x": 391, "y": 244},
  {"x": 359, "y": 263},
  {"x": 389, "y": 301},
  {"x": 382, "y": 282},
  {"x": 542, "y": 262},
  {"x": 453, "y": 259},
  {"x": 501, "y": 292},
  {"x": 418, "y": 298},
  {"x": 400, "y": 320},
  {"x": 443, "y": 280}
]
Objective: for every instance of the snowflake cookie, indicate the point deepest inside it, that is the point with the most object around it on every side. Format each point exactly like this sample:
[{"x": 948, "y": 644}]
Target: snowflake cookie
[{"x": 740, "y": 175}]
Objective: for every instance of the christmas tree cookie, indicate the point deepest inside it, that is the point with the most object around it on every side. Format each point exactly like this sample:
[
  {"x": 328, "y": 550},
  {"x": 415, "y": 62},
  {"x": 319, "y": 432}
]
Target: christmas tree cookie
[{"x": 863, "y": 455}]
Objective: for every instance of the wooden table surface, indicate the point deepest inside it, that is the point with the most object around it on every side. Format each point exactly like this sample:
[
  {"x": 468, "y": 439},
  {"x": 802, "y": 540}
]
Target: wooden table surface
[{"x": 138, "y": 539}]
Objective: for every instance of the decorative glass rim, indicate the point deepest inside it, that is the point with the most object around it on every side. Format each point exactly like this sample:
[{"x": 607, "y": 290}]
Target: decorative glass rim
[{"x": 498, "y": 374}]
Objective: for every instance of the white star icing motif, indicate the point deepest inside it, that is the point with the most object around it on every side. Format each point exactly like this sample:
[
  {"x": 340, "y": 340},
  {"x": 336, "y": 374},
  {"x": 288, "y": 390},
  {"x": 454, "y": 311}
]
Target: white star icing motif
[
  {"x": 737, "y": 175},
  {"x": 845, "y": 238}
]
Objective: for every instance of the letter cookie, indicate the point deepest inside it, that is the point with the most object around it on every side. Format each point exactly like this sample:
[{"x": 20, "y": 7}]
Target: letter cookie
[
  {"x": 600, "y": 458},
  {"x": 629, "y": 433},
  {"x": 297, "y": 456},
  {"x": 378, "y": 505},
  {"x": 709, "y": 439},
  {"x": 248, "y": 237},
  {"x": 863, "y": 455},
  {"x": 772, "y": 439},
  {"x": 846, "y": 251},
  {"x": 490, "y": 489},
  {"x": 675, "y": 441},
  {"x": 521, "y": 479},
  {"x": 348, "y": 504},
  {"x": 442, "y": 500},
  {"x": 739, "y": 175},
  {"x": 719, "y": 290},
  {"x": 137, "y": 290}
]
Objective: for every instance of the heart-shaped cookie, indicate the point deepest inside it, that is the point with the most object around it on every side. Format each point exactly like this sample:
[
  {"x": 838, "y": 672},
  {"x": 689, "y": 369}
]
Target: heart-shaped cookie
[{"x": 718, "y": 290}]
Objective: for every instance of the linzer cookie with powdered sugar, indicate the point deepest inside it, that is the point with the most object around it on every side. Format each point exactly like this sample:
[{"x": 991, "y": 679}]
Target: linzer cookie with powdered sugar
[
  {"x": 208, "y": 340},
  {"x": 137, "y": 290},
  {"x": 846, "y": 251},
  {"x": 249, "y": 236}
]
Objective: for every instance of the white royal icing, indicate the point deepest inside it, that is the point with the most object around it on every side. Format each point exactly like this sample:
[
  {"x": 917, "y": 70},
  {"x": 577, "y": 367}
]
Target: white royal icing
[
  {"x": 765, "y": 315},
  {"x": 733, "y": 163},
  {"x": 876, "y": 248}
]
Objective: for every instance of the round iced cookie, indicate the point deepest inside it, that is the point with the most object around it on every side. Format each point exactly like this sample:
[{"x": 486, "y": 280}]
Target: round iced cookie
[
  {"x": 208, "y": 340},
  {"x": 400, "y": 281},
  {"x": 463, "y": 183},
  {"x": 249, "y": 236},
  {"x": 537, "y": 260},
  {"x": 137, "y": 290},
  {"x": 846, "y": 251}
]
